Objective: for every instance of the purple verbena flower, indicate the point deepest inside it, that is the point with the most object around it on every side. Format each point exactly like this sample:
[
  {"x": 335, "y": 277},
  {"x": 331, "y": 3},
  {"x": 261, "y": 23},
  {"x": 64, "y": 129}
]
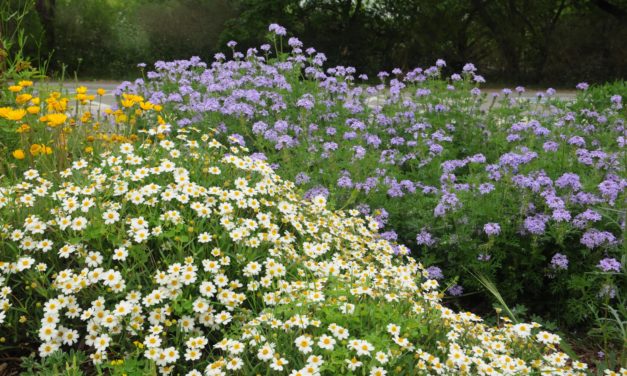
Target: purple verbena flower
[
  {"x": 469, "y": 68},
  {"x": 345, "y": 182},
  {"x": 486, "y": 188},
  {"x": 277, "y": 29},
  {"x": 569, "y": 180},
  {"x": 561, "y": 215},
  {"x": 390, "y": 236},
  {"x": 425, "y": 238},
  {"x": 456, "y": 290},
  {"x": 484, "y": 257},
  {"x": 536, "y": 224},
  {"x": 609, "y": 264},
  {"x": 582, "y": 86},
  {"x": 435, "y": 272},
  {"x": 492, "y": 229},
  {"x": 594, "y": 238},
  {"x": 559, "y": 261},
  {"x": 550, "y": 146},
  {"x": 301, "y": 178},
  {"x": 315, "y": 192}
]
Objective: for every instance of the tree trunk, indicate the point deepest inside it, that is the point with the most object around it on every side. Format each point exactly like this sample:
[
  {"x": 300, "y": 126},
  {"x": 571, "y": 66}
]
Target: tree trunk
[
  {"x": 46, "y": 11},
  {"x": 506, "y": 46}
]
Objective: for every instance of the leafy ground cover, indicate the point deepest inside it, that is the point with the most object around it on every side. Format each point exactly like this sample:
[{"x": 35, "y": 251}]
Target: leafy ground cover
[{"x": 265, "y": 214}]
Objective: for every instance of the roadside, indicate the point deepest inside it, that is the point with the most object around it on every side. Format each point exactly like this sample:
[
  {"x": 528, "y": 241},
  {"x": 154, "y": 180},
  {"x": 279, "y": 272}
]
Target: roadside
[{"x": 108, "y": 100}]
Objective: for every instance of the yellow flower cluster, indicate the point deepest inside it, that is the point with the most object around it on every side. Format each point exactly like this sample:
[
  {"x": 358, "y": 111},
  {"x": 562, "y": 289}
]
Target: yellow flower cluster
[
  {"x": 54, "y": 120},
  {"x": 33, "y": 117},
  {"x": 12, "y": 114}
]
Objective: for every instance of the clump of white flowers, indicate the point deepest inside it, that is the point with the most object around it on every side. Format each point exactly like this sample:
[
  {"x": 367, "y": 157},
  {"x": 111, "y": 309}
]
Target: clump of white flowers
[{"x": 195, "y": 258}]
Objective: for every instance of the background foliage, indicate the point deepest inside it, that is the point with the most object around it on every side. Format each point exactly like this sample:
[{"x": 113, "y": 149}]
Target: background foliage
[{"x": 557, "y": 42}]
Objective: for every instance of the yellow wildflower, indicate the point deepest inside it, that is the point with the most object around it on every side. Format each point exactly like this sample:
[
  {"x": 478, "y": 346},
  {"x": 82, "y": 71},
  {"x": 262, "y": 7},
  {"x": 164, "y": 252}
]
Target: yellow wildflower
[
  {"x": 146, "y": 105},
  {"x": 54, "y": 120},
  {"x": 128, "y": 100},
  {"x": 23, "y": 128},
  {"x": 56, "y": 103},
  {"x": 19, "y": 154},
  {"x": 121, "y": 118},
  {"x": 15, "y": 88},
  {"x": 15, "y": 115},
  {"x": 35, "y": 149},
  {"x": 23, "y": 98}
]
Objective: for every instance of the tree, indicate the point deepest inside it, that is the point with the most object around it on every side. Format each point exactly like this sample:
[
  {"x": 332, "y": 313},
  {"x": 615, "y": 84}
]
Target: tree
[
  {"x": 521, "y": 31},
  {"x": 421, "y": 31},
  {"x": 617, "y": 10},
  {"x": 46, "y": 11}
]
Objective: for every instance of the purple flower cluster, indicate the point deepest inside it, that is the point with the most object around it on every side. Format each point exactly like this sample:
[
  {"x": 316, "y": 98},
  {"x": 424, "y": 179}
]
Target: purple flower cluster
[
  {"x": 456, "y": 290},
  {"x": 277, "y": 29},
  {"x": 435, "y": 272},
  {"x": 492, "y": 229},
  {"x": 569, "y": 180},
  {"x": 559, "y": 261},
  {"x": 536, "y": 224},
  {"x": 594, "y": 238},
  {"x": 315, "y": 192},
  {"x": 425, "y": 238},
  {"x": 609, "y": 265},
  {"x": 536, "y": 173}
]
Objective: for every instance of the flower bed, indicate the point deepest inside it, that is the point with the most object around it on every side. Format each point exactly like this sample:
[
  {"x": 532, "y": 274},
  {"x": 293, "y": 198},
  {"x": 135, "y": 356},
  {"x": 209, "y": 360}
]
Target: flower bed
[
  {"x": 171, "y": 247},
  {"x": 195, "y": 256},
  {"x": 528, "y": 192}
]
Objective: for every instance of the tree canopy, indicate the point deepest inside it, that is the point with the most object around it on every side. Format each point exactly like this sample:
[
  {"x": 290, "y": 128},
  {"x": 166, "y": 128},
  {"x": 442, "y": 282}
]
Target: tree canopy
[{"x": 522, "y": 41}]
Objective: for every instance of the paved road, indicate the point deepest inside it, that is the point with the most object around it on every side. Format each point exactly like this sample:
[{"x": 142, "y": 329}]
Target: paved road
[
  {"x": 109, "y": 99},
  {"x": 565, "y": 95},
  {"x": 562, "y": 94}
]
